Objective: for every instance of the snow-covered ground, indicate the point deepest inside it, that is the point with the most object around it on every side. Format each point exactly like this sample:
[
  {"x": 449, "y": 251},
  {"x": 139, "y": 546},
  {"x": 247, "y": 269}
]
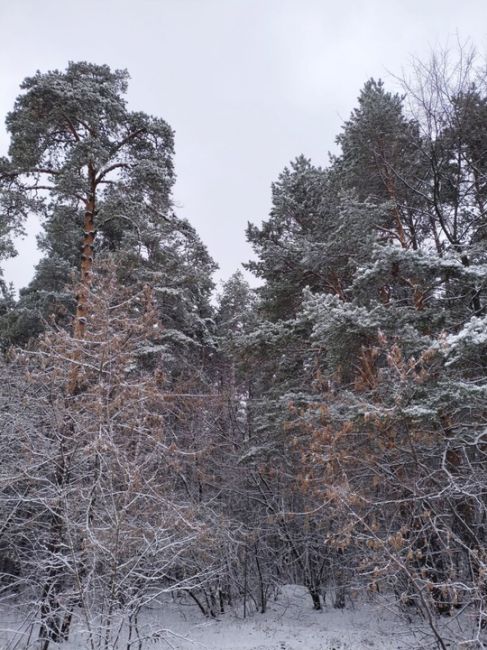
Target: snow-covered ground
[{"x": 289, "y": 624}]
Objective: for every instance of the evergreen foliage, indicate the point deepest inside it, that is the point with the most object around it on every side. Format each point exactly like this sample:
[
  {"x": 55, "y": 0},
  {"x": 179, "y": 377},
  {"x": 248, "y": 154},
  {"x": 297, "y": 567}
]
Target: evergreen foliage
[{"x": 326, "y": 428}]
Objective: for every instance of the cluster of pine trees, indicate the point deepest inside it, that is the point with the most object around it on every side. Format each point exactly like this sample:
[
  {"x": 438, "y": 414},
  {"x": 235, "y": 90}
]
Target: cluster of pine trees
[{"x": 328, "y": 429}]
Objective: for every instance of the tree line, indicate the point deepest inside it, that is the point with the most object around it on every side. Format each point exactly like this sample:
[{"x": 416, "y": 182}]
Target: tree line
[{"x": 326, "y": 429}]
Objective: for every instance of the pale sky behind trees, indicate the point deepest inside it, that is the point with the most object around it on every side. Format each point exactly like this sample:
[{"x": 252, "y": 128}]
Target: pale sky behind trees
[{"x": 246, "y": 84}]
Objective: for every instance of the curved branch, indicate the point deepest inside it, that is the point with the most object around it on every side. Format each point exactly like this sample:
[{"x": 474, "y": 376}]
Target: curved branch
[{"x": 109, "y": 169}]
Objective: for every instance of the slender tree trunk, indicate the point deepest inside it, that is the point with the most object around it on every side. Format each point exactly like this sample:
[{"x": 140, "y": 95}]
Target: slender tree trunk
[
  {"x": 50, "y": 623},
  {"x": 263, "y": 599},
  {"x": 82, "y": 298},
  {"x": 86, "y": 277}
]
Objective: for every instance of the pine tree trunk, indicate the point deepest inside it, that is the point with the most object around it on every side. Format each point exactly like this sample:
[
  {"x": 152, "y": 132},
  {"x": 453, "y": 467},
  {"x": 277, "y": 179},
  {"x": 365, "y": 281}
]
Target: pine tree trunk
[
  {"x": 86, "y": 269},
  {"x": 86, "y": 277}
]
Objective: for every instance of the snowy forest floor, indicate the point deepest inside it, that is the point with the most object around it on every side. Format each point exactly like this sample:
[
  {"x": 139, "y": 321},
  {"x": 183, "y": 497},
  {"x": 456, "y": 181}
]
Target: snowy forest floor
[{"x": 289, "y": 624}]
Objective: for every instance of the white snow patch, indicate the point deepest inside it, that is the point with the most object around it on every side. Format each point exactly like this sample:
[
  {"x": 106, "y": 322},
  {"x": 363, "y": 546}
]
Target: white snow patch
[{"x": 289, "y": 624}]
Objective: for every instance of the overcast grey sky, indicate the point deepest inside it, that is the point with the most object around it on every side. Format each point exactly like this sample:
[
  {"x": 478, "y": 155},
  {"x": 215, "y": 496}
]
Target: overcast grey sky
[{"x": 247, "y": 84}]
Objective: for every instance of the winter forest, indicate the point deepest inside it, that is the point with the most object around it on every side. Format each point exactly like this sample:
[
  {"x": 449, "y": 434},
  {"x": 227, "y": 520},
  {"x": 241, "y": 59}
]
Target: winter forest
[{"x": 166, "y": 446}]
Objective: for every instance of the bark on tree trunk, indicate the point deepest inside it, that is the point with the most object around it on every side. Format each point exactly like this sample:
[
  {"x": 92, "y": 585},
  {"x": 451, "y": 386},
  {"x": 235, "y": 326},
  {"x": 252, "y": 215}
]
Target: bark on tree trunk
[
  {"x": 86, "y": 269},
  {"x": 83, "y": 294}
]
